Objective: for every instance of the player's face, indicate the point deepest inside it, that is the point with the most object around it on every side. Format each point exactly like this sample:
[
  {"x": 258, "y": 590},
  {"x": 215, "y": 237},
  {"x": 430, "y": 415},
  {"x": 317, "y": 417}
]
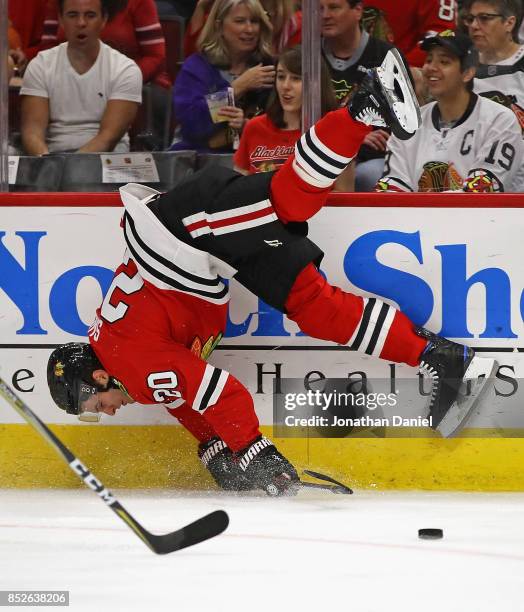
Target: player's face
[
  {"x": 489, "y": 31},
  {"x": 339, "y": 19},
  {"x": 289, "y": 89},
  {"x": 442, "y": 73},
  {"x": 83, "y": 22},
  {"x": 241, "y": 30},
  {"x": 106, "y": 402}
]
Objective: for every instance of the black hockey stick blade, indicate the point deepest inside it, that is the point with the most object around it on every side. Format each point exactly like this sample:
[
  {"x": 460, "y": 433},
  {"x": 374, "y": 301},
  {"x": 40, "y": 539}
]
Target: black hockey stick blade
[
  {"x": 338, "y": 486},
  {"x": 202, "y": 529},
  {"x": 326, "y": 487}
]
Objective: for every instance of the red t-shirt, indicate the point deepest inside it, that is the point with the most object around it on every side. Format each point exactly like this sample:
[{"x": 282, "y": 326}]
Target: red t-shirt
[
  {"x": 264, "y": 147},
  {"x": 28, "y": 20},
  {"x": 411, "y": 20},
  {"x": 156, "y": 343}
]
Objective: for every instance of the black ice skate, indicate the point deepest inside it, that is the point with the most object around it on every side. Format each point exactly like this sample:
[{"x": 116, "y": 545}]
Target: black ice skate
[
  {"x": 385, "y": 98},
  {"x": 458, "y": 379}
]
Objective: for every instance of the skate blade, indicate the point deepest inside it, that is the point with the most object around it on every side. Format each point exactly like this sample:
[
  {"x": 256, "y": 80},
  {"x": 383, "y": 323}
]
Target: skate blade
[
  {"x": 476, "y": 377},
  {"x": 407, "y": 111}
]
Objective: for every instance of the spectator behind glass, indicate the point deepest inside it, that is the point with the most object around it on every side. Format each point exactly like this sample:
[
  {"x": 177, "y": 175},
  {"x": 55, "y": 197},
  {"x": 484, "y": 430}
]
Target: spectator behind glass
[
  {"x": 269, "y": 139},
  {"x": 132, "y": 28},
  {"x": 235, "y": 51},
  {"x": 81, "y": 95},
  {"x": 283, "y": 14},
  {"x": 350, "y": 51},
  {"x": 412, "y": 20},
  {"x": 27, "y": 17},
  {"x": 493, "y": 26},
  {"x": 466, "y": 142}
]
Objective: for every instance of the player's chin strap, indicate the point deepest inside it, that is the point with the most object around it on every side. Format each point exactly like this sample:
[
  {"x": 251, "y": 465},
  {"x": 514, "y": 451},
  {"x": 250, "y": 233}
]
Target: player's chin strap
[{"x": 114, "y": 383}]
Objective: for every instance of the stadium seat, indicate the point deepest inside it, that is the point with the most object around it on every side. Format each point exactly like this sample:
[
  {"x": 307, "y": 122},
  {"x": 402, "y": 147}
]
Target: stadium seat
[
  {"x": 39, "y": 173},
  {"x": 151, "y": 129},
  {"x": 220, "y": 159},
  {"x": 173, "y": 29},
  {"x": 83, "y": 172}
]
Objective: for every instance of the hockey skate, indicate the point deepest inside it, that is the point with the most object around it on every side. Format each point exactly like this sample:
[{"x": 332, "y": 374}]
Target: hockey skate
[
  {"x": 386, "y": 98},
  {"x": 458, "y": 379}
]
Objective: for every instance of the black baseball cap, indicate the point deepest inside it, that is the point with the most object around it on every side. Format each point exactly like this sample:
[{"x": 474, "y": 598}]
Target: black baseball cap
[{"x": 458, "y": 43}]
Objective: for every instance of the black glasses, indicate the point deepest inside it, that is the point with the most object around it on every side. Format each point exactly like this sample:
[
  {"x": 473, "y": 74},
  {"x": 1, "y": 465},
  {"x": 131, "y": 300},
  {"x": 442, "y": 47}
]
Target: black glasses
[{"x": 482, "y": 18}]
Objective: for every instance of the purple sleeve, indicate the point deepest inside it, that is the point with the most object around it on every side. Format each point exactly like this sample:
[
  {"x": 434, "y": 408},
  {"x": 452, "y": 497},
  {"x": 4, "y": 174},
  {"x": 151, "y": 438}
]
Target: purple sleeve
[{"x": 196, "y": 79}]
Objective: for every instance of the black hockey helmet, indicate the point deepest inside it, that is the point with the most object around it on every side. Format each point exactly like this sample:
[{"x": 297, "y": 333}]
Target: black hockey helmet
[{"x": 69, "y": 375}]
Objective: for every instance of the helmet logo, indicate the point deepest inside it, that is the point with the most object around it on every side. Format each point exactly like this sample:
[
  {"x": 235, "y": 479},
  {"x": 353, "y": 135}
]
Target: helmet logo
[{"x": 59, "y": 368}]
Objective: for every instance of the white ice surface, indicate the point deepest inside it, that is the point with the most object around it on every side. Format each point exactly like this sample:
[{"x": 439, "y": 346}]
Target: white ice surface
[{"x": 317, "y": 552}]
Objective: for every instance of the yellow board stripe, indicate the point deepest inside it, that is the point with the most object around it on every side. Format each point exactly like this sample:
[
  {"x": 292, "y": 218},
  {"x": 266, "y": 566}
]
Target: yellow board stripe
[{"x": 165, "y": 456}]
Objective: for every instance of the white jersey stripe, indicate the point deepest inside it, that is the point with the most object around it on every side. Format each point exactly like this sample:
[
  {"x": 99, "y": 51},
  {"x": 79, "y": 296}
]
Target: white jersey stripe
[
  {"x": 206, "y": 379},
  {"x": 153, "y": 26},
  {"x": 218, "y": 389},
  {"x": 327, "y": 150},
  {"x": 384, "y": 332},
  {"x": 323, "y": 180},
  {"x": 314, "y": 157},
  {"x": 227, "y": 214},
  {"x": 165, "y": 271},
  {"x": 237, "y": 227},
  {"x": 310, "y": 180},
  {"x": 357, "y": 328},
  {"x": 371, "y": 326}
]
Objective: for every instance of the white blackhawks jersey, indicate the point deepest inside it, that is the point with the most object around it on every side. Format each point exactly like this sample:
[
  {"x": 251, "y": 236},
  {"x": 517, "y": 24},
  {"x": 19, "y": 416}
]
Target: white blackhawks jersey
[
  {"x": 482, "y": 152},
  {"x": 506, "y": 76}
]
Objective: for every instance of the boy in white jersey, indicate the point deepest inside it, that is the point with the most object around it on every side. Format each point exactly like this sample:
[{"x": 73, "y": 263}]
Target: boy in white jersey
[{"x": 466, "y": 142}]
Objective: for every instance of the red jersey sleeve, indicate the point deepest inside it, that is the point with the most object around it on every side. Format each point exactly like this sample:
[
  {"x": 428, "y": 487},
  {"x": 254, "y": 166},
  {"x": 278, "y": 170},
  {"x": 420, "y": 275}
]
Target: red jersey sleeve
[
  {"x": 148, "y": 32},
  {"x": 172, "y": 375},
  {"x": 50, "y": 30},
  {"x": 432, "y": 16}
]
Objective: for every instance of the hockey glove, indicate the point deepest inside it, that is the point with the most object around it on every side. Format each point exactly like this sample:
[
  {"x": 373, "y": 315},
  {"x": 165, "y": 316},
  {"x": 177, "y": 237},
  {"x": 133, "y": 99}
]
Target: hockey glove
[
  {"x": 267, "y": 469},
  {"x": 218, "y": 459}
]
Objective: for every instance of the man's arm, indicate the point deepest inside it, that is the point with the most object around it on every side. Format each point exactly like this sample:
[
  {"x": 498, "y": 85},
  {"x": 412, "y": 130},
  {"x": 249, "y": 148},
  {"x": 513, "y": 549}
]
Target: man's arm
[
  {"x": 117, "y": 118},
  {"x": 35, "y": 119}
]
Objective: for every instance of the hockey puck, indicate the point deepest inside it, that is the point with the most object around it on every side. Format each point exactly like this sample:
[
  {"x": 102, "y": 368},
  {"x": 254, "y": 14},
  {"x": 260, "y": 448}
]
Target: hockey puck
[{"x": 430, "y": 534}]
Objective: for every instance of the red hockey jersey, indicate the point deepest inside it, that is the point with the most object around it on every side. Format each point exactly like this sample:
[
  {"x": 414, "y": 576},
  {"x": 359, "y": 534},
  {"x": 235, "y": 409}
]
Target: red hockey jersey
[
  {"x": 412, "y": 20},
  {"x": 161, "y": 318}
]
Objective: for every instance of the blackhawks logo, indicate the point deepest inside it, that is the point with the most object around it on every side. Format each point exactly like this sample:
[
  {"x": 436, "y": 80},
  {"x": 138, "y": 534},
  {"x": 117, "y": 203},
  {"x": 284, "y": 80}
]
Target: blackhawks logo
[
  {"x": 204, "y": 350},
  {"x": 59, "y": 369},
  {"x": 439, "y": 176}
]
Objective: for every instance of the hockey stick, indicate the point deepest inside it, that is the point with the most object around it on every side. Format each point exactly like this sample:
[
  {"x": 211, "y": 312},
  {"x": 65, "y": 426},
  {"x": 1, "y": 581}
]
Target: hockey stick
[
  {"x": 336, "y": 487},
  {"x": 202, "y": 529}
]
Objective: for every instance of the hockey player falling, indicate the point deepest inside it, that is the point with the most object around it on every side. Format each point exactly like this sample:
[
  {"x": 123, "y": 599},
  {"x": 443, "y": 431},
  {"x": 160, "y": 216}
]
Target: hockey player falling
[{"x": 165, "y": 310}]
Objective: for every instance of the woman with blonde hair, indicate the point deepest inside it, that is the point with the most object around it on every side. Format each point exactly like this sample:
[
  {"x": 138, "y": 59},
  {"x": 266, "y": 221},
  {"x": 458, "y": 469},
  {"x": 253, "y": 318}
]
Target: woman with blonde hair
[
  {"x": 234, "y": 63},
  {"x": 283, "y": 15}
]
